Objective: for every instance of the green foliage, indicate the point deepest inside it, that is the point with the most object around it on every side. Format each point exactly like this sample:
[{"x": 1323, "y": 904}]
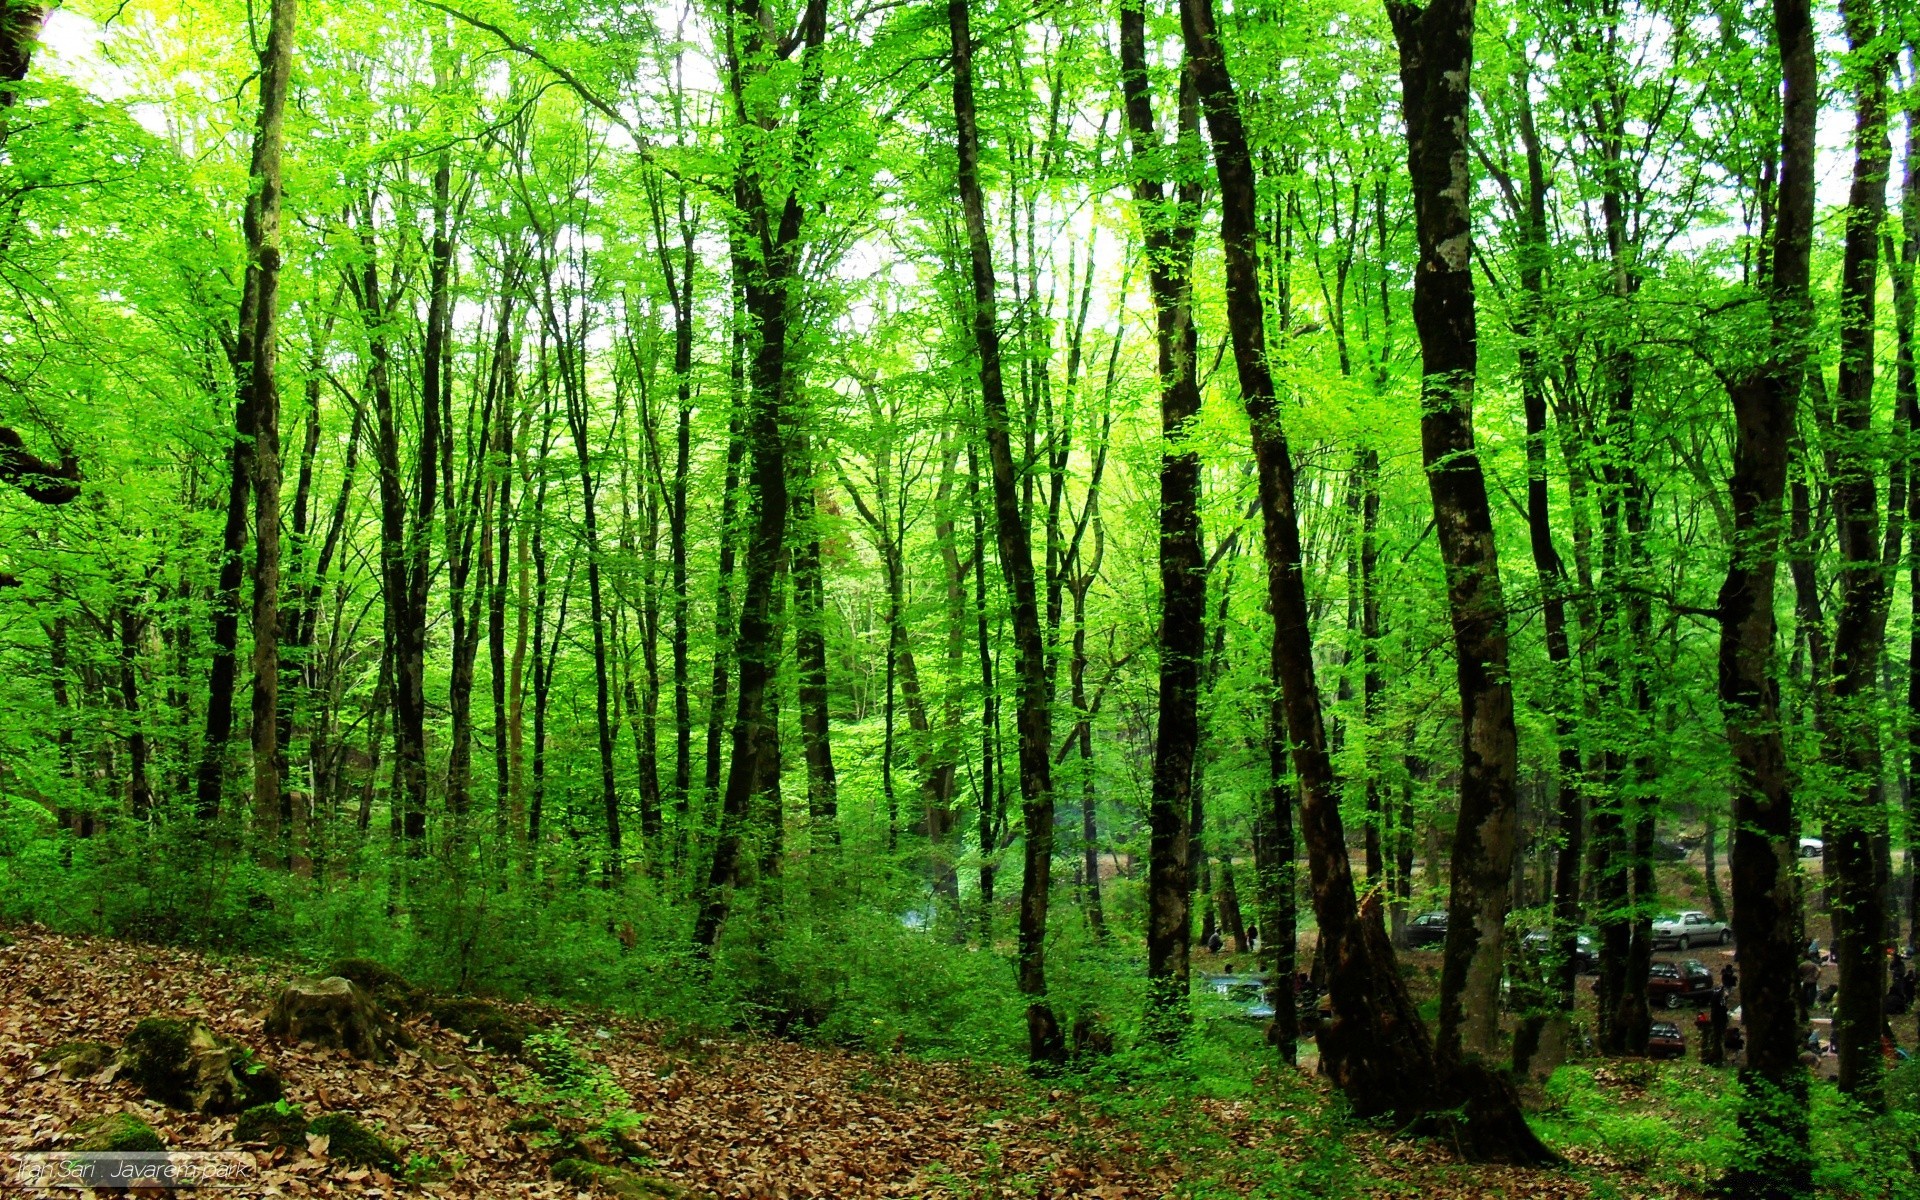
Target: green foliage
[{"x": 574, "y": 1093}]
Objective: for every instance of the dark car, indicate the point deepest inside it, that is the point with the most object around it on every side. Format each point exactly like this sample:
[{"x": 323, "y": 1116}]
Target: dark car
[
  {"x": 1586, "y": 952},
  {"x": 1669, "y": 985},
  {"x": 1664, "y": 1041},
  {"x": 1427, "y": 929}
]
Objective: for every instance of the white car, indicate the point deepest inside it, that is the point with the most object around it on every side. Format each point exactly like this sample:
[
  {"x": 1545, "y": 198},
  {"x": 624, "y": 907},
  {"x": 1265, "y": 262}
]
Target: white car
[
  {"x": 1812, "y": 847},
  {"x": 1684, "y": 931}
]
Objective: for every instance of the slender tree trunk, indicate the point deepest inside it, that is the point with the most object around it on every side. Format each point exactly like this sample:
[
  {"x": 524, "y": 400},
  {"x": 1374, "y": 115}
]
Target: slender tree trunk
[
  {"x": 810, "y": 650},
  {"x": 498, "y": 555},
  {"x": 1170, "y": 223},
  {"x": 139, "y": 790},
  {"x": 259, "y": 358},
  {"x": 255, "y": 458},
  {"x": 1376, "y": 1049},
  {"x": 1907, "y": 401},
  {"x": 1436, "y": 57},
  {"x": 1032, "y": 708},
  {"x": 768, "y": 280},
  {"x": 1775, "y": 1159},
  {"x": 1551, "y": 570},
  {"x": 1856, "y": 820}
]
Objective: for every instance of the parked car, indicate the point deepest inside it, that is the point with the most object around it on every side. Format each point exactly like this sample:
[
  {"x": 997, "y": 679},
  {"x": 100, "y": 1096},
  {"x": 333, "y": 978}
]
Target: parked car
[
  {"x": 1244, "y": 995},
  {"x": 1669, "y": 985},
  {"x": 1812, "y": 847},
  {"x": 1586, "y": 950},
  {"x": 1684, "y": 931},
  {"x": 1427, "y": 929},
  {"x": 1664, "y": 1041},
  {"x": 1664, "y": 851}
]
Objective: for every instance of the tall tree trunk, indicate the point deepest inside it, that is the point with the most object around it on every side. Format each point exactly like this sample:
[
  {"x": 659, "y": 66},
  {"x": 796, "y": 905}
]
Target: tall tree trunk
[
  {"x": 578, "y": 420},
  {"x": 139, "y": 791},
  {"x": 1902, "y": 262},
  {"x": 255, "y": 454},
  {"x": 1033, "y": 715},
  {"x": 1376, "y": 1049},
  {"x": 1775, "y": 1159},
  {"x": 810, "y": 651},
  {"x": 1548, "y": 566},
  {"x": 496, "y": 568},
  {"x": 1857, "y": 818},
  {"x": 257, "y": 358},
  {"x": 769, "y": 273},
  {"x": 1436, "y": 59},
  {"x": 1170, "y": 223}
]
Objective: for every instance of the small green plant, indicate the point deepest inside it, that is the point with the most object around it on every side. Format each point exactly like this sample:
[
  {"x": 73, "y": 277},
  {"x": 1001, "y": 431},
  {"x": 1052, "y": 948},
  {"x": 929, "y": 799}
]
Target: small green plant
[
  {"x": 427, "y": 1167},
  {"x": 574, "y": 1089}
]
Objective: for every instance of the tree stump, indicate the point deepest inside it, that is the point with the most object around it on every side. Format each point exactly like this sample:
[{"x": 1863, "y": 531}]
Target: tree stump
[{"x": 333, "y": 1012}]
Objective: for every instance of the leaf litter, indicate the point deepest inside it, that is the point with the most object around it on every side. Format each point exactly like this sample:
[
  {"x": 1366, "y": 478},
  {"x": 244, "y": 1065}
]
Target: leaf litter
[{"x": 724, "y": 1117}]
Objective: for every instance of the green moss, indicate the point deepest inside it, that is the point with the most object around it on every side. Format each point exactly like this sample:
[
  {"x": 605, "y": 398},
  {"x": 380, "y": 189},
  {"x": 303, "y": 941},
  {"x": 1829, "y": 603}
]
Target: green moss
[
  {"x": 533, "y": 1124},
  {"x": 627, "y": 1185},
  {"x": 122, "y": 1132},
  {"x": 351, "y": 1142},
  {"x": 78, "y": 1058},
  {"x": 386, "y": 986},
  {"x": 280, "y": 1124},
  {"x": 154, "y": 1057},
  {"x": 485, "y": 1022}
]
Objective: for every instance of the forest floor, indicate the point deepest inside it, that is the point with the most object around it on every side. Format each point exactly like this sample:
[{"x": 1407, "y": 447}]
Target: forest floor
[{"x": 724, "y": 1116}]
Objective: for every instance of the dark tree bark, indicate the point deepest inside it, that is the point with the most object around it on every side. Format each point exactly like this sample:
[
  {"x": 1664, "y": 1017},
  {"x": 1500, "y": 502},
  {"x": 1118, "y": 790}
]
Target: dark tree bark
[
  {"x": 43, "y": 482},
  {"x": 20, "y": 24},
  {"x": 376, "y": 309},
  {"x": 766, "y": 258},
  {"x": 470, "y": 514},
  {"x": 679, "y": 283},
  {"x": 130, "y": 626},
  {"x": 1376, "y": 1049},
  {"x": 810, "y": 651},
  {"x": 497, "y": 555},
  {"x": 1033, "y": 715},
  {"x": 1775, "y": 1159},
  {"x": 258, "y": 358},
  {"x": 1547, "y": 564},
  {"x": 1856, "y": 821},
  {"x": 1170, "y": 223},
  {"x": 256, "y": 438},
  {"x": 1902, "y": 262},
  {"x": 1436, "y": 60}
]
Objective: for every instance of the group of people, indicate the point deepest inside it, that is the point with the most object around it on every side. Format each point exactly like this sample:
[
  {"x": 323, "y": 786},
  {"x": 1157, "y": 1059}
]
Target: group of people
[{"x": 1903, "y": 983}]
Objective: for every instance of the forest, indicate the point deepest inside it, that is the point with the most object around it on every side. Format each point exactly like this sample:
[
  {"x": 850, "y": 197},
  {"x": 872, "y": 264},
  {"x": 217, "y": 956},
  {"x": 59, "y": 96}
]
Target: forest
[{"x": 1295, "y": 553}]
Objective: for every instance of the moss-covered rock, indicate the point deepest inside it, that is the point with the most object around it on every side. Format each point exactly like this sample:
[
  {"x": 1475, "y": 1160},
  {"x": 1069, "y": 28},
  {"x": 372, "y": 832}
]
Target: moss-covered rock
[
  {"x": 351, "y": 1142},
  {"x": 274, "y": 1124},
  {"x": 382, "y": 984},
  {"x": 484, "y": 1022},
  {"x": 184, "y": 1064},
  {"x": 121, "y": 1132},
  {"x": 334, "y": 1012},
  {"x": 75, "y": 1060},
  {"x": 155, "y": 1057},
  {"x": 617, "y": 1181}
]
